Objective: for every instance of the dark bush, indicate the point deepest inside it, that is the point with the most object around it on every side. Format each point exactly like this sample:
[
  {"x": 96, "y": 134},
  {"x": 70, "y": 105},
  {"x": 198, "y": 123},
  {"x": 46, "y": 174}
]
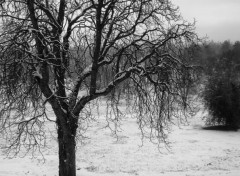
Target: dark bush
[{"x": 222, "y": 99}]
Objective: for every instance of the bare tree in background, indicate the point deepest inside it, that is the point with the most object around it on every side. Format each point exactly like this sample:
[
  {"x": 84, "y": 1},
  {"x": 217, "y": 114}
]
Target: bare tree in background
[{"x": 68, "y": 53}]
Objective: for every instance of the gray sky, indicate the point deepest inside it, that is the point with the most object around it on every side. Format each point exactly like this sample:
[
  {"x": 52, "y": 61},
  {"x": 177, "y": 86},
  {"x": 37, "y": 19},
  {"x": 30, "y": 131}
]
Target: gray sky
[{"x": 218, "y": 19}]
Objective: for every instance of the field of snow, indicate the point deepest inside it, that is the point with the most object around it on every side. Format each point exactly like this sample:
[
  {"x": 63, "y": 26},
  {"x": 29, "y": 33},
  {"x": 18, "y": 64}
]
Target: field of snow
[{"x": 193, "y": 151}]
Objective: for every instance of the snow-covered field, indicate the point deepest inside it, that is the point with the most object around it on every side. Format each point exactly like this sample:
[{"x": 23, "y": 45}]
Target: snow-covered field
[{"x": 193, "y": 152}]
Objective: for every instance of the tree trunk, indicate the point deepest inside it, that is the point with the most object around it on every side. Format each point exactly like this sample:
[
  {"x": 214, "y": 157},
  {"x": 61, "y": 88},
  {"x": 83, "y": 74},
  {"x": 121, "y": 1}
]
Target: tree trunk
[{"x": 67, "y": 158}]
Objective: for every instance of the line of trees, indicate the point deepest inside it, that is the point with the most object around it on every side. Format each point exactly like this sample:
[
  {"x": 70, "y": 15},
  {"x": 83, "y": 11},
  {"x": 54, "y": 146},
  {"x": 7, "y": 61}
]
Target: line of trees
[{"x": 221, "y": 95}]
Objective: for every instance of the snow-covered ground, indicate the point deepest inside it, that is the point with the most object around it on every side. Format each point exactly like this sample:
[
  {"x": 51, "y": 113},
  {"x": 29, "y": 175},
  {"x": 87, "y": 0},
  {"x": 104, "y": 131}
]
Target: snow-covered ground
[{"x": 193, "y": 152}]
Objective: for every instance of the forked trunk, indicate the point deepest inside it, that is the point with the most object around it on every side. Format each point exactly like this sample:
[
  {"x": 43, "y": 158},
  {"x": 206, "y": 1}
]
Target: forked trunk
[{"x": 67, "y": 158}]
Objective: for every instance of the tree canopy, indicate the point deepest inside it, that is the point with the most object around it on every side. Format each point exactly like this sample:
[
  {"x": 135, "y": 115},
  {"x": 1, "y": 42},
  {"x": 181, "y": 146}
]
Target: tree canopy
[{"x": 68, "y": 53}]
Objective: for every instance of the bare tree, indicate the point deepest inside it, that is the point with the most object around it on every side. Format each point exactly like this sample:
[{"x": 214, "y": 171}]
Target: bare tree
[{"x": 97, "y": 46}]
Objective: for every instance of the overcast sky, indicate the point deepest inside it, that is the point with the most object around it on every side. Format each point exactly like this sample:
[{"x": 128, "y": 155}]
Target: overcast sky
[{"x": 218, "y": 19}]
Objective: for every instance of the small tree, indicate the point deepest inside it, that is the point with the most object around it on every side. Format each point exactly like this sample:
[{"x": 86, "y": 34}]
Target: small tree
[
  {"x": 222, "y": 99},
  {"x": 57, "y": 52},
  {"x": 222, "y": 91}
]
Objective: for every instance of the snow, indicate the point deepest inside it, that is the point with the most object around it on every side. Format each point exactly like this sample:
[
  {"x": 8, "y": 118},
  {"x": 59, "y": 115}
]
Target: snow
[
  {"x": 192, "y": 151},
  {"x": 37, "y": 73}
]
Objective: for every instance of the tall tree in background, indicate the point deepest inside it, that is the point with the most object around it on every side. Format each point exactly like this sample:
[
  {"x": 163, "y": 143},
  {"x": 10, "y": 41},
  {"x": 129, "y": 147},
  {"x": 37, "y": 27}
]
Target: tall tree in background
[
  {"x": 221, "y": 94},
  {"x": 47, "y": 44}
]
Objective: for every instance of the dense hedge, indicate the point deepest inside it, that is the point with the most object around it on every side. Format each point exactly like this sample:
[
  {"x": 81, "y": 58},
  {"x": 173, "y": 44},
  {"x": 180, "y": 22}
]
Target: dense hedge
[{"x": 222, "y": 99}]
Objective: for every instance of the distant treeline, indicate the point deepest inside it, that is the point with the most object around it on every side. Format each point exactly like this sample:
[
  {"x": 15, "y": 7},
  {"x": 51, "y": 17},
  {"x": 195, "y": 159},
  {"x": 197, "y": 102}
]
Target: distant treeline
[
  {"x": 221, "y": 73},
  {"x": 217, "y": 58}
]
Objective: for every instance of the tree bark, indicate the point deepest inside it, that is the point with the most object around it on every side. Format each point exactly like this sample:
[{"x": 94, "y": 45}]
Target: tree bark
[{"x": 67, "y": 152}]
